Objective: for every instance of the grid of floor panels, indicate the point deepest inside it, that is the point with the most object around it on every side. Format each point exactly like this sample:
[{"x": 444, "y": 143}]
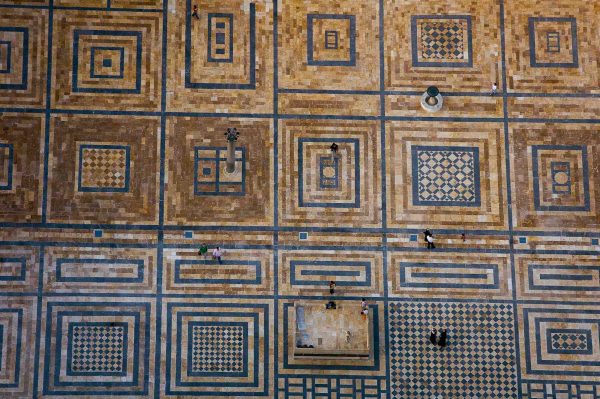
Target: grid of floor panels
[{"x": 113, "y": 172}]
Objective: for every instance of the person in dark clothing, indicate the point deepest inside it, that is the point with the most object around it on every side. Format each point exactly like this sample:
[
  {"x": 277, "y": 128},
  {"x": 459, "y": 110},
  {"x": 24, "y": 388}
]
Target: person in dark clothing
[
  {"x": 332, "y": 287},
  {"x": 433, "y": 336},
  {"x": 442, "y": 340},
  {"x": 429, "y": 239},
  {"x": 195, "y": 12}
]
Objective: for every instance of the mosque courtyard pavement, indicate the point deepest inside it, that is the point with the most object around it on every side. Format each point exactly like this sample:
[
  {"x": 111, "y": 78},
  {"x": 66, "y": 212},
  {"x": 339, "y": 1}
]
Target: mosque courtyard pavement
[{"x": 112, "y": 173}]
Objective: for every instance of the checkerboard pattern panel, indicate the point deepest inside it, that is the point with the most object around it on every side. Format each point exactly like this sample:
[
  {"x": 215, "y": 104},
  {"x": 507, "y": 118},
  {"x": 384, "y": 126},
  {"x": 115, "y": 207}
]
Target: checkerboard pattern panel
[
  {"x": 217, "y": 348},
  {"x": 97, "y": 348},
  {"x": 478, "y": 361},
  {"x": 441, "y": 41},
  {"x": 104, "y": 167},
  {"x": 446, "y": 176}
]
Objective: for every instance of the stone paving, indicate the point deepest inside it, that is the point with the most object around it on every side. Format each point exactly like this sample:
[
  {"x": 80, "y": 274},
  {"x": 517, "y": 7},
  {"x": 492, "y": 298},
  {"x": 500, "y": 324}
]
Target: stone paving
[{"x": 112, "y": 173}]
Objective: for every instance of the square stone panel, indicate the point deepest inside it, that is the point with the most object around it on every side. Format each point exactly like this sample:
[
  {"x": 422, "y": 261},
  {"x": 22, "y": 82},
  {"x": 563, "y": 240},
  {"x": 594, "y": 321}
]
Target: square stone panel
[
  {"x": 222, "y": 347},
  {"x": 560, "y": 343},
  {"x": 552, "y": 39},
  {"x": 103, "y": 169},
  {"x": 553, "y": 176},
  {"x": 479, "y": 360},
  {"x": 310, "y": 57},
  {"x": 198, "y": 188},
  {"x": 96, "y": 346},
  {"x": 303, "y": 199},
  {"x": 226, "y": 54},
  {"x": 21, "y": 167},
  {"x": 132, "y": 44},
  {"x": 445, "y": 176},
  {"x": 452, "y": 45},
  {"x": 17, "y": 338},
  {"x": 23, "y": 57}
]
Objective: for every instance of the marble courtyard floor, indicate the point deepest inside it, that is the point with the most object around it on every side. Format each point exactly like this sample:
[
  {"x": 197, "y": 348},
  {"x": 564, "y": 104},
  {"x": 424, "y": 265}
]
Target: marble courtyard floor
[{"x": 112, "y": 173}]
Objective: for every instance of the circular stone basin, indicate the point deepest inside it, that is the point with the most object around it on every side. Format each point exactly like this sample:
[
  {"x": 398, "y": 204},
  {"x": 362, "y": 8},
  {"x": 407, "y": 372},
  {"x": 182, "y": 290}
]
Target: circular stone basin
[
  {"x": 431, "y": 103},
  {"x": 329, "y": 172},
  {"x": 561, "y": 178}
]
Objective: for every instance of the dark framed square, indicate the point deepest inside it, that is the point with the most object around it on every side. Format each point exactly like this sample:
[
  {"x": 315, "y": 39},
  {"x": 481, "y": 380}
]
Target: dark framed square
[
  {"x": 415, "y": 41},
  {"x": 71, "y": 351},
  {"x": 93, "y": 72},
  {"x": 175, "y": 385},
  {"x": 553, "y": 42},
  {"x": 25, "y": 61},
  {"x": 574, "y": 43},
  {"x": 244, "y": 327},
  {"x": 216, "y": 186},
  {"x": 18, "y": 344},
  {"x": 22, "y": 262},
  {"x": 223, "y": 46},
  {"x": 82, "y": 188},
  {"x": 326, "y": 162},
  {"x": 560, "y": 167},
  {"x": 475, "y": 176},
  {"x": 5, "y": 54},
  {"x": 351, "y": 61},
  {"x": 331, "y": 39},
  {"x": 7, "y": 166},
  {"x": 141, "y": 354},
  {"x": 250, "y": 84},
  {"x": 78, "y": 33},
  {"x": 536, "y": 178},
  {"x": 538, "y": 345},
  {"x": 301, "y": 200},
  {"x": 569, "y": 331}
]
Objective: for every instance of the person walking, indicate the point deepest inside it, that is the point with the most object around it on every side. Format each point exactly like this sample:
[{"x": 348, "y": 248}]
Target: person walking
[
  {"x": 363, "y": 303},
  {"x": 332, "y": 287},
  {"x": 216, "y": 254},
  {"x": 195, "y": 12},
  {"x": 429, "y": 239},
  {"x": 334, "y": 149},
  {"x": 442, "y": 340},
  {"x": 433, "y": 336},
  {"x": 203, "y": 250},
  {"x": 494, "y": 89}
]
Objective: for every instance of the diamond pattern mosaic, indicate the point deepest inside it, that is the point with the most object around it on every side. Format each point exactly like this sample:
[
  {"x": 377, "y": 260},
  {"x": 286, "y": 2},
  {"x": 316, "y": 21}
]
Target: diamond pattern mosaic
[
  {"x": 115, "y": 192},
  {"x": 446, "y": 176},
  {"x": 217, "y": 348},
  {"x": 482, "y": 349},
  {"x": 566, "y": 341},
  {"x": 104, "y": 168},
  {"x": 442, "y": 40},
  {"x": 97, "y": 348}
]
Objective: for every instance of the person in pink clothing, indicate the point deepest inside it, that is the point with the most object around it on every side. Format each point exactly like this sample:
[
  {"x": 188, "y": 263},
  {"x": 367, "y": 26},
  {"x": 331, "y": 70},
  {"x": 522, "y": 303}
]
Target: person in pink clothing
[{"x": 216, "y": 254}]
